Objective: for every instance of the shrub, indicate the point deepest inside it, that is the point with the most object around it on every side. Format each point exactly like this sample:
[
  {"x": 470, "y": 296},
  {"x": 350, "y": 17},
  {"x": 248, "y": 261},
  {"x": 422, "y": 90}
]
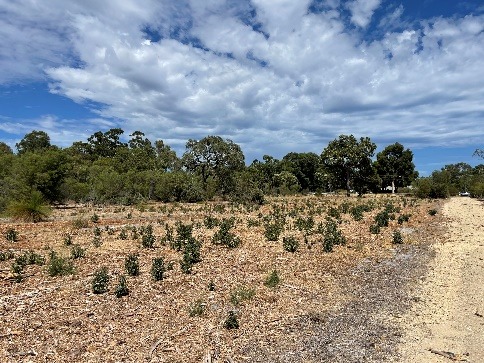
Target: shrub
[
  {"x": 77, "y": 252},
  {"x": 158, "y": 268},
  {"x": 80, "y": 223},
  {"x": 121, "y": 289},
  {"x": 223, "y": 236},
  {"x": 403, "y": 218},
  {"x": 232, "y": 321},
  {"x": 210, "y": 222},
  {"x": 131, "y": 265},
  {"x": 96, "y": 241},
  {"x": 59, "y": 266},
  {"x": 273, "y": 279},
  {"x": 273, "y": 230},
  {"x": 94, "y": 218},
  {"x": 332, "y": 236},
  {"x": 290, "y": 243},
  {"x": 334, "y": 213},
  {"x": 382, "y": 218},
  {"x": 374, "y": 229},
  {"x": 147, "y": 237},
  {"x": 357, "y": 212},
  {"x": 7, "y": 255},
  {"x": 97, "y": 231},
  {"x": 197, "y": 308},
  {"x": 211, "y": 286},
  {"x": 191, "y": 255},
  {"x": 432, "y": 212},
  {"x": 305, "y": 224},
  {"x": 67, "y": 239},
  {"x": 31, "y": 209},
  {"x": 241, "y": 294},
  {"x": 11, "y": 235},
  {"x": 123, "y": 235},
  {"x": 397, "y": 238},
  {"x": 100, "y": 281}
]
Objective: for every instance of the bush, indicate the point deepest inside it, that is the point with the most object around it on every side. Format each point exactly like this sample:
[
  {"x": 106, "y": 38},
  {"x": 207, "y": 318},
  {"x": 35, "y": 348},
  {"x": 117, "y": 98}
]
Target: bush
[
  {"x": 403, "y": 218},
  {"x": 59, "y": 266},
  {"x": 273, "y": 230},
  {"x": 305, "y": 225},
  {"x": 382, "y": 218},
  {"x": 100, "y": 281},
  {"x": 273, "y": 279},
  {"x": 7, "y": 255},
  {"x": 31, "y": 209},
  {"x": 131, "y": 265},
  {"x": 158, "y": 268},
  {"x": 94, "y": 218},
  {"x": 223, "y": 236},
  {"x": 11, "y": 235},
  {"x": 77, "y": 252},
  {"x": 197, "y": 308},
  {"x": 432, "y": 212},
  {"x": 290, "y": 243},
  {"x": 374, "y": 229},
  {"x": 241, "y": 294},
  {"x": 210, "y": 222},
  {"x": 332, "y": 236},
  {"x": 67, "y": 239},
  {"x": 121, "y": 289},
  {"x": 397, "y": 238},
  {"x": 147, "y": 237},
  {"x": 232, "y": 321},
  {"x": 123, "y": 235},
  {"x": 80, "y": 223}
]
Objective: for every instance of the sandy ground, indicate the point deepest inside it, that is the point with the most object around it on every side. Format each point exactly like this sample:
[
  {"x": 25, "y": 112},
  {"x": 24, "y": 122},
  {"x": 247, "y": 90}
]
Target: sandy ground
[{"x": 447, "y": 321}]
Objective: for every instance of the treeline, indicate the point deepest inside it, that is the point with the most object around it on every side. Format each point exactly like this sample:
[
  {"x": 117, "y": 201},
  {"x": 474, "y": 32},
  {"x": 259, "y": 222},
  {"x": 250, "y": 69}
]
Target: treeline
[{"x": 104, "y": 169}]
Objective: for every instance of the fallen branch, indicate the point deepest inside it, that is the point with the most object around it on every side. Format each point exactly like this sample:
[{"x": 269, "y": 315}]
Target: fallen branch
[{"x": 450, "y": 355}]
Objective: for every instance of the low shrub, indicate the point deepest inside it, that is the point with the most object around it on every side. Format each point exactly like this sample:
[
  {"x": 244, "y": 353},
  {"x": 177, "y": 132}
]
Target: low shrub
[
  {"x": 121, "y": 288},
  {"x": 11, "y": 235},
  {"x": 397, "y": 238},
  {"x": 232, "y": 321},
  {"x": 241, "y": 294},
  {"x": 30, "y": 209},
  {"x": 59, "y": 266},
  {"x": 223, "y": 236},
  {"x": 100, "y": 281},
  {"x": 197, "y": 308},
  {"x": 147, "y": 237},
  {"x": 432, "y": 212},
  {"x": 158, "y": 268},
  {"x": 290, "y": 243},
  {"x": 332, "y": 236},
  {"x": 77, "y": 252},
  {"x": 131, "y": 265},
  {"x": 273, "y": 279}
]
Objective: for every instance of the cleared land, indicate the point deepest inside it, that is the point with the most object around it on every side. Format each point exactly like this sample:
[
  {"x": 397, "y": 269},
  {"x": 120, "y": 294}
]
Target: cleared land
[{"x": 342, "y": 306}]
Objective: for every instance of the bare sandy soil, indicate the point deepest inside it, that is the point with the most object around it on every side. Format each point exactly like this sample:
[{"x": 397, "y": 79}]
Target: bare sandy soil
[
  {"x": 368, "y": 301},
  {"x": 447, "y": 321}
]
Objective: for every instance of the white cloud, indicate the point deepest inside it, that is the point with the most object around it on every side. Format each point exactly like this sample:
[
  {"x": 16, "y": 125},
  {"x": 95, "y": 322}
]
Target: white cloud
[
  {"x": 362, "y": 11},
  {"x": 253, "y": 72}
]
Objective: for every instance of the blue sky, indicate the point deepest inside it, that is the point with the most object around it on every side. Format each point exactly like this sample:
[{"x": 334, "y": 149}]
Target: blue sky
[{"x": 274, "y": 76}]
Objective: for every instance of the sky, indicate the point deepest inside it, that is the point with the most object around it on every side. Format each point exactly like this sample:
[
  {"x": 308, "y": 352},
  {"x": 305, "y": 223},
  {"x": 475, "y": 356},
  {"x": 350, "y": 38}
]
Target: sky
[{"x": 274, "y": 76}]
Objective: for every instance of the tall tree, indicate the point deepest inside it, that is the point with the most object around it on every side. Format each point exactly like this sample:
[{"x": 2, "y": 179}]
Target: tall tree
[
  {"x": 106, "y": 144},
  {"x": 214, "y": 157},
  {"x": 33, "y": 142},
  {"x": 304, "y": 166},
  {"x": 395, "y": 166},
  {"x": 5, "y": 149},
  {"x": 349, "y": 162}
]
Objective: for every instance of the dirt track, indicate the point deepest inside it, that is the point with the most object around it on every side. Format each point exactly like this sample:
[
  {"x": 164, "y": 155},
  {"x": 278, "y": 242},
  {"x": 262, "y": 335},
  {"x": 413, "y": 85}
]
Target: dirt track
[{"x": 447, "y": 321}]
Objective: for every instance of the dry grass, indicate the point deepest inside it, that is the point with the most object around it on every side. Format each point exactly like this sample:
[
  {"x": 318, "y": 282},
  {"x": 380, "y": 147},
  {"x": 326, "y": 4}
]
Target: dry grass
[{"x": 60, "y": 319}]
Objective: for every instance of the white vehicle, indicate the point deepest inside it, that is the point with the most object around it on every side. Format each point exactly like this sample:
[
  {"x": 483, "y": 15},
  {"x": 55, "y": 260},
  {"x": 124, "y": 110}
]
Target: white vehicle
[{"x": 465, "y": 194}]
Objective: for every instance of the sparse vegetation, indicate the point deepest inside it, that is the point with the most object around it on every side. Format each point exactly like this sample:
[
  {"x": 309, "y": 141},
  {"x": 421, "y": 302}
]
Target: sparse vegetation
[
  {"x": 100, "y": 281},
  {"x": 158, "y": 268},
  {"x": 273, "y": 279},
  {"x": 131, "y": 265},
  {"x": 58, "y": 265}
]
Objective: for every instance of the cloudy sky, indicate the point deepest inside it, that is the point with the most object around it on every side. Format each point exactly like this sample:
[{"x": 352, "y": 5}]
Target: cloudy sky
[{"x": 274, "y": 76}]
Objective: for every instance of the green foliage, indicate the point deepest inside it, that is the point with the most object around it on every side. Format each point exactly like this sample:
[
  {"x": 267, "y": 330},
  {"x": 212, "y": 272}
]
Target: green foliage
[
  {"x": 100, "y": 281},
  {"x": 31, "y": 209},
  {"x": 67, "y": 239},
  {"x": 241, "y": 294},
  {"x": 35, "y": 141},
  {"x": 210, "y": 222},
  {"x": 80, "y": 223},
  {"x": 332, "y": 236},
  {"x": 197, "y": 308},
  {"x": 11, "y": 235},
  {"x": 77, "y": 252},
  {"x": 397, "y": 238},
  {"x": 432, "y": 212},
  {"x": 272, "y": 230},
  {"x": 382, "y": 218},
  {"x": 395, "y": 166},
  {"x": 6, "y": 255},
  {"x": 191, "y": 255},
  {"x": 334, "y": 213},
  {"x": 94, "y": 218},
  {"x": 232, "y": 321},
  {"x": 348, "y": 161},
  {"x": 158, "y": 268},
  {"x": 97, "y": 242},
  {"x": 211, "y": 286},
  {"x": 59, "y": 266},
  {"x": 121, "y": 288},
  {"x": 131, "y": 265},
  {"x": 403, "y": 218},
  {"x": 305, "y": 225},
  {"x": 147, "y": 237},
  {"x": 290, "y": 243},
  {"x": 375, "y": 229},
  {"x": 273, "y": 279},
  {"x": 122, "y": 234},
  {"x": 223, "y": 236}
]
